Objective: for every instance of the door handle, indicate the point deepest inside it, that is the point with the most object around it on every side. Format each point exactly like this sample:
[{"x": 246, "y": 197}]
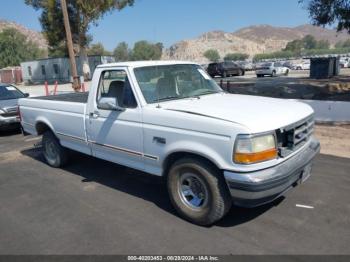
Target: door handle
[{"x": 95, "y": 114}]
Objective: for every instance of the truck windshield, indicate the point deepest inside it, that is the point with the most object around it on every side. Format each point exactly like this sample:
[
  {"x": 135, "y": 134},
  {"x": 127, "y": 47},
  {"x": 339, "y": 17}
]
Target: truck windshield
[
  {"x": 170, "y": 82},
  {"x": 10, "y": 92}
]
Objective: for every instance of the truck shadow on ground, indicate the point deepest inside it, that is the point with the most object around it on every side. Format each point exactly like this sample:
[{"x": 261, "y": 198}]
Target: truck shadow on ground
[
  {"x": 11, "y": 132},
  {"x": 141, "y": 185}
]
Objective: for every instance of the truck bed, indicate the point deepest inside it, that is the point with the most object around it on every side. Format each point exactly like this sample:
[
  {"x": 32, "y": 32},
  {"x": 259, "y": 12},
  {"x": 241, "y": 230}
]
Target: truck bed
[
  {"x": 69, "y": 97},
  {"x": 64, "y": 113}
]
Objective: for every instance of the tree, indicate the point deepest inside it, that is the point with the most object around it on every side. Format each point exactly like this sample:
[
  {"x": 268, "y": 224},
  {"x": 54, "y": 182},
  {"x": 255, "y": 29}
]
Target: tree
[
  {"x": 14, "y": 48},
  {"x": 144, "y": 50},
  {"x": 341, "y": 44},
  {"x": 306, "y": 45},
  {"x": 82, "y": 13},
  {"x": 295, "y": 46},
  {"x": 309, "y": 42},
  {"x": 98, "y": 49},
  {"x": 274, "y": 55},
  {"x": 346, "y": 44},
  {"x": 122, "y": 52},
  {"x": 329, "y": 12},
  {"x": 322, "y": 44},
  {"x": 235, "y": 57},
  {"x": 212, "y": 55}
]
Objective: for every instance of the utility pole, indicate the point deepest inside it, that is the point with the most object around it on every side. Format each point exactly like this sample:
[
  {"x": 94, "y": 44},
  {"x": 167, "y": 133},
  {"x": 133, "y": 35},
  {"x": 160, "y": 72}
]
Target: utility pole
[{"x": 76, "y": 84}]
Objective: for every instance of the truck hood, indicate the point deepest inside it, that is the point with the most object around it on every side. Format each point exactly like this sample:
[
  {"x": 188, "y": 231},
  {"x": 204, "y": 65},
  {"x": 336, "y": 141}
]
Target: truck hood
[{"x": 258, "y": 114}]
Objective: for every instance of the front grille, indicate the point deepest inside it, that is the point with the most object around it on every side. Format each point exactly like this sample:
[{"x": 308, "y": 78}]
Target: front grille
[{"x": 295, "y": 136}]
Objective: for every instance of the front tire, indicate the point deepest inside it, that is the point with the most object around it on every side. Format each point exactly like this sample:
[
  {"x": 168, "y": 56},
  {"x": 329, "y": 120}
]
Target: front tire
[
  {"x": 198, "y": 191},
  {"x": 54, "y": 154}
]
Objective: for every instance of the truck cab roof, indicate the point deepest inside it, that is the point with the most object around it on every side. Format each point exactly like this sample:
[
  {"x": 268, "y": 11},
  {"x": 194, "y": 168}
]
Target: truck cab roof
[{"x": 144, "y": 63}]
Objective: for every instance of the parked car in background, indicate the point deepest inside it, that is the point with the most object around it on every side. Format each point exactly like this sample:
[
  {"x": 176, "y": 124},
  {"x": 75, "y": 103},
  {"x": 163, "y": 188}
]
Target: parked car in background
[
  {"x": 9, "y": 95},
  {"x": 271, "y": 69},
  {"x": 247, "y": 66},
  {"x": 171, "y": 119},
  {"x": 344, "y": 62},
  {"x": 225, "y": 69},
  {"x": 288, "y": 64},
  {"x": 305, "y": 65}
]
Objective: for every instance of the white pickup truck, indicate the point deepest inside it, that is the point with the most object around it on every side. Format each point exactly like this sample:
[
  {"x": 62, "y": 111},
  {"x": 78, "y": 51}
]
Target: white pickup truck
[{"x": 171, "y": 119}]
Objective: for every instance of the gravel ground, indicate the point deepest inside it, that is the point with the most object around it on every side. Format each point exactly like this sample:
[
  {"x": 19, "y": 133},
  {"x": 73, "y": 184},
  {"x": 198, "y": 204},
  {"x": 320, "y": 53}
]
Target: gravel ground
[{"x": 335, "y": 139}]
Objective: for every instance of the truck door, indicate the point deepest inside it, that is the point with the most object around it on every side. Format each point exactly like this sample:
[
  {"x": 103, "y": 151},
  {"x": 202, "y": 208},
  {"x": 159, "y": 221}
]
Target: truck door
[{"x": 114, "y": 124}]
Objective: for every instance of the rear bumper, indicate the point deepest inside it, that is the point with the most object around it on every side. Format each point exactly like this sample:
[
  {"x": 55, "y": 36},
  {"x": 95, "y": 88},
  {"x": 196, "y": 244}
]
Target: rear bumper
[
  {"x": 263, "y": 72},
  {"x": 263, "y": 186}
]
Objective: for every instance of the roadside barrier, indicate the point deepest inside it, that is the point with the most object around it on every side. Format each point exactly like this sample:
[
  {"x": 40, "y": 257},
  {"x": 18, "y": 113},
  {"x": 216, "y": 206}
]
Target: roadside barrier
[
  {"x": 46, "y": 89},
  {"x": 325, "y": 110},
  {"x": 55, "y": 88},
  {"x": 83, "y": 87},
  {"x": 330, "y": 111}
]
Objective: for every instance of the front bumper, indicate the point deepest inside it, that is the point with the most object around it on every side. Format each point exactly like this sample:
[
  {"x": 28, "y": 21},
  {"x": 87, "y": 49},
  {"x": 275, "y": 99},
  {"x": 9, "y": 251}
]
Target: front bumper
[
  {"x": 9, "y": 122},
  {"x": 263, "y": 186}
]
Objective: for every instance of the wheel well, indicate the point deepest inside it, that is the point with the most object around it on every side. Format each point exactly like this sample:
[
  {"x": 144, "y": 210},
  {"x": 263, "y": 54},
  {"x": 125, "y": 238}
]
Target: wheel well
[
  {"x": 41, "y": 128},
  {"x": 172, "y": 158}
]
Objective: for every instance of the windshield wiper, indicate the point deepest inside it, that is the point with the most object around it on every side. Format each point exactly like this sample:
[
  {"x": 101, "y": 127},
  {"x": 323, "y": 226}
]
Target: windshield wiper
[
  {"x": 168, "y": 98},
  {"x": 209, "y": 92}
]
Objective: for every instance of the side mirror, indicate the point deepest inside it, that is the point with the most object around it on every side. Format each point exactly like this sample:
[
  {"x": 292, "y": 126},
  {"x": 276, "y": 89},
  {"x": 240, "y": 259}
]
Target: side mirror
[
  {"x": 109, "y": 103},
  {"x": 26, "y": 94}
]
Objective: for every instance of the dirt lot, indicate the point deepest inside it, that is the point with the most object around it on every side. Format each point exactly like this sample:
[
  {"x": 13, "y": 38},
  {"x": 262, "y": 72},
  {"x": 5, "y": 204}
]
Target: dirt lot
[
  {"x": 335, "y": 139},
  {"x": 297, "y": 85}
]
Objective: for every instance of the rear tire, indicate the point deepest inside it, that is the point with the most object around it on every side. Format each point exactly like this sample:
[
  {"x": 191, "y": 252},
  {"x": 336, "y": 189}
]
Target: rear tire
[
  {"x": 198, "y": 191},
  {"x": 55, "y": 154},
  {"x": 286, "y": 73}
]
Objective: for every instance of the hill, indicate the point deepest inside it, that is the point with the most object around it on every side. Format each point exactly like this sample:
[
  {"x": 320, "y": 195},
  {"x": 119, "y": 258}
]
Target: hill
[
  {"x": 31, "y": 35},
  {"x": 251, "y": 40}
]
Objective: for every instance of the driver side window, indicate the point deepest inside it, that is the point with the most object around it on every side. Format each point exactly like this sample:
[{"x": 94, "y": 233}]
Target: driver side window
[{"x": 115, "y": 84}]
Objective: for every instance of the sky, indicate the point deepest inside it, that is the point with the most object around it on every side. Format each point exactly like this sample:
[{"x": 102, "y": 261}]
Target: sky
[{"x": 169, "y": 21}]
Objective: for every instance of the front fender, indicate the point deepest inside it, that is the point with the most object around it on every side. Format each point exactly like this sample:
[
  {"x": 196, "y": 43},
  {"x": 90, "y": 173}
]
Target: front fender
[{"x": 196, "y": 148}]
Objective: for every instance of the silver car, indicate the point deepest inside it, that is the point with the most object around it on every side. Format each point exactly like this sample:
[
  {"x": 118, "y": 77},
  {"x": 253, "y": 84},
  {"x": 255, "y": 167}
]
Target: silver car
[
  {"x": 272, "y": 69},
  {"x": 9, "y": 95}
]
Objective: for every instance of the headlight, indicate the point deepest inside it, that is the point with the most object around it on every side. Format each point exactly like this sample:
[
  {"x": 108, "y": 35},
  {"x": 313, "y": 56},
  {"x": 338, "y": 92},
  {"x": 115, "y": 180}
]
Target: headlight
[
  {"x": 2, "y": 112},
  {"x": 254, "y": 149}
]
